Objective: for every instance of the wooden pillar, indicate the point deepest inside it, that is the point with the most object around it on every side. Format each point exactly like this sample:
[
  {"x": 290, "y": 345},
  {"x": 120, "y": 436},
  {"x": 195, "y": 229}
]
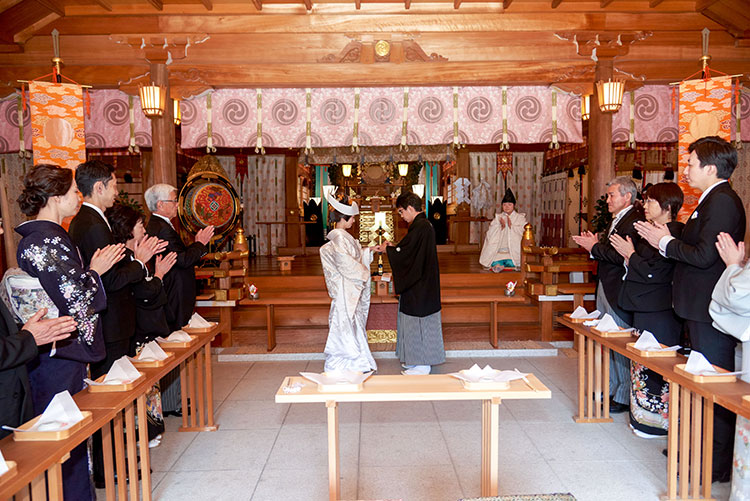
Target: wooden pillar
[
  {"x": 601, "y": 158},
  {"x": 463, "y": 169},
  {"x": 291, "y": 212},
  {"x": 162, "y": 132}
]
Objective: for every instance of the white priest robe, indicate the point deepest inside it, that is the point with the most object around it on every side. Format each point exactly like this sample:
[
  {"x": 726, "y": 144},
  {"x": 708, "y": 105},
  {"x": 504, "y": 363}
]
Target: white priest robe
[
  {"x": 346, "y": 267},
  {"x": 503, "y": 243}
]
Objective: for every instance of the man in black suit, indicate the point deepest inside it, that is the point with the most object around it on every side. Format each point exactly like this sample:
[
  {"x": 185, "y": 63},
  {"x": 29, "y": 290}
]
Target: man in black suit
[
  {"x": 17, "y": 348},
  {"x": 90, "y": 231},
  {"x": 179, "y": 282},
  {"x": 621, "y": 202},
  {"x": 711, "y": 163}
]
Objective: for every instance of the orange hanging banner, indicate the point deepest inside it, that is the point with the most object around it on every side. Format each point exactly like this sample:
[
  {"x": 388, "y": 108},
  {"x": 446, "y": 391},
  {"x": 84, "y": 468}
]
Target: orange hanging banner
[
  {"x": 57, "y": 124},
  {"x": 705, "y": 110}
]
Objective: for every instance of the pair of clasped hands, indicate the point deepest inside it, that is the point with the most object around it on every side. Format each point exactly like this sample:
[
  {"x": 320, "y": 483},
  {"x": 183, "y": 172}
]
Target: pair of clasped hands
[{"x": 381, "y": 247}]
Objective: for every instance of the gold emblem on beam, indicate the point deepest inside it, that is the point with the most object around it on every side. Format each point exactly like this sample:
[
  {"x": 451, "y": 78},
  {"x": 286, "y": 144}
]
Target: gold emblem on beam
[{"x": 382, "y": 48}]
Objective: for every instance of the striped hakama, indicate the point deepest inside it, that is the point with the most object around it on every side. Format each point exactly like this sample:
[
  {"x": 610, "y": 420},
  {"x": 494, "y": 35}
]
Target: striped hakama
[{"x": 420, "y": 339}]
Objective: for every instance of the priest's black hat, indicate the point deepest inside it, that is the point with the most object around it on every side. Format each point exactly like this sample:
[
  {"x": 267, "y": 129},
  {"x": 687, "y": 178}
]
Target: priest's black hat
[{"x": 509, "y": 198}]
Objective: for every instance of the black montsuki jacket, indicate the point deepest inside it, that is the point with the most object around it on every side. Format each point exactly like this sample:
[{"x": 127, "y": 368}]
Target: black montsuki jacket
[{"x": 416, "y": 276}]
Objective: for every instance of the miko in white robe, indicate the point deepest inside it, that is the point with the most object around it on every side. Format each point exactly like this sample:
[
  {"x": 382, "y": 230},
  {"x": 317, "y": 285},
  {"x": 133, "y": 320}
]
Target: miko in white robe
[
  {"x": 346, "y": 266},
  {"x": 503, "y": 242}
]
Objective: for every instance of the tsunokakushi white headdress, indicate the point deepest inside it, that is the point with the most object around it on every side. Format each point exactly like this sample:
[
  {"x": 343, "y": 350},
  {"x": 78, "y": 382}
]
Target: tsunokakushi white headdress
[{"x": 347, "y": 210}]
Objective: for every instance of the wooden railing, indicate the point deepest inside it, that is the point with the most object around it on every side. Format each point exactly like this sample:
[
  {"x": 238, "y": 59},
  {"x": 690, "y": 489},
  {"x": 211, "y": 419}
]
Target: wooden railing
[{"x": 38, "y": 473}]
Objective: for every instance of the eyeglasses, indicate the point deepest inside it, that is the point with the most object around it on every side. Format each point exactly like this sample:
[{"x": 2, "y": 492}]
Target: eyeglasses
[{"x": 173, "y": 201}]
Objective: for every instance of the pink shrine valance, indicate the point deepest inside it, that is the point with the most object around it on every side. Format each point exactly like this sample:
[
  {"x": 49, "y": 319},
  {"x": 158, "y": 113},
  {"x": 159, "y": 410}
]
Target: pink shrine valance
[{"x": 430, "y": 117}]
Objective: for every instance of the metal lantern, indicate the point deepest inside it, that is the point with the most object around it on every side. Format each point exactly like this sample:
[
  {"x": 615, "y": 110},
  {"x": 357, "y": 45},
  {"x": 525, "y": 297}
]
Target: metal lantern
[
  {"x": 346, "y": 170},
  {"x": 610, "y": 95},
  {"x": 586, "y": 107},
  {"x": 177, "y": 112},
  {"x": 153, "y": 100}
]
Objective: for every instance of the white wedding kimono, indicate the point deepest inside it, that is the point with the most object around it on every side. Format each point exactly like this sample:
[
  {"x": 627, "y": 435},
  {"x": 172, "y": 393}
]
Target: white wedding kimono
[
  {"x": 503, "y": 243},
  {"x": 346, "y": 267}
]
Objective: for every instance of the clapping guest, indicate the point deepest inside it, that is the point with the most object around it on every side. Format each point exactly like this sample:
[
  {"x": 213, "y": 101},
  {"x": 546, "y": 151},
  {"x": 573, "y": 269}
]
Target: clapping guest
[
  {"x": 647, "y": 293},
  {"x": 621, "y": 203},
  {"x": 47, "y": 253},
  {"x": 179, "y": 282},
  {"x": 17, "y": 348},
  {"x": 730, "y": 311},
  {"x": 699, "y": 266},
  {"x": 148, "y": 298}
]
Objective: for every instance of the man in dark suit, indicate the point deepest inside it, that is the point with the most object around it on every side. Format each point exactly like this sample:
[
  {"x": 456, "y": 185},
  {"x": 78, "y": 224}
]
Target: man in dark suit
[
  {"x": 17, "y": 348},
  {"x": 711, "y": 163},
  {"x": 179, "y": 282},
  {"x": 621, "y": 202},
  {"x": 90, "y": 231}
]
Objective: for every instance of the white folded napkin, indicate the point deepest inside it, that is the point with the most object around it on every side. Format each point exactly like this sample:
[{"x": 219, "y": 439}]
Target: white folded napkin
[
  {"x": 698, "y": 364},
  {"x": 61, "y": 413},
  {"x": 3, "y": 466},
  {"x": 198, "y": 322},
  {"x": 122, "y": 372},
  {"x": 647, "y": 342},
  {"x": 487, "y": 375},
  {"x": 179, "y": 336},
  {"x": 151, "y": 352},
  {"x": 336, "y": 377},
  {"x": 581, "y": 313},
  {"x": 607, "y": 324}
]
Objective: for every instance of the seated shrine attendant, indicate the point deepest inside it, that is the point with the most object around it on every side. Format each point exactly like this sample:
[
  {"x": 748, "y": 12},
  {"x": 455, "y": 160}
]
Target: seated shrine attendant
[{"x": 502, "y": 245}]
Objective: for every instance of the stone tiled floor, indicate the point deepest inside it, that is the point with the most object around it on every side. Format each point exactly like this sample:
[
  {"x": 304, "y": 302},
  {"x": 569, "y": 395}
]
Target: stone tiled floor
[{"x": 411, "y": 451}]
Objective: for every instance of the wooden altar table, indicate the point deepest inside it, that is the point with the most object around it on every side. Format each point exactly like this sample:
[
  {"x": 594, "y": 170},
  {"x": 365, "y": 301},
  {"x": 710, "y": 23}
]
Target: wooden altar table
[
  {"x": 410, "y": 389},
  {"x": 691, "y": 411}
]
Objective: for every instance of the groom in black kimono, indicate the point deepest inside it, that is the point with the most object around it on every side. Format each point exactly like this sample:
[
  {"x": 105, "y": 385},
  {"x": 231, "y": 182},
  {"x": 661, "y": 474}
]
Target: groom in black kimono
[{"x": 416, "y": 278}]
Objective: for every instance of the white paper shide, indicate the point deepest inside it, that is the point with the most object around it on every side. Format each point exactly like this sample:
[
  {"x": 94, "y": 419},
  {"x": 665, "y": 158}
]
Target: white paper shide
[
  {"x": 647, "y": 342},
  {"x": 151, "y": 352},
  {"x": 61, "y": 413},
  {"x": 580, "y": 313}
]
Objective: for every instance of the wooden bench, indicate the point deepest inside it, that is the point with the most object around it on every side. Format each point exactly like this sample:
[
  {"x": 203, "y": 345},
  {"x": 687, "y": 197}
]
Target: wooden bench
[{"x": 490, "y": 296}]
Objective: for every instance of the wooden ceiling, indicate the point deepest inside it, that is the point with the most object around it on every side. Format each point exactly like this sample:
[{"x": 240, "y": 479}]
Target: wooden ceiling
[{"x": 310, "y": 43}]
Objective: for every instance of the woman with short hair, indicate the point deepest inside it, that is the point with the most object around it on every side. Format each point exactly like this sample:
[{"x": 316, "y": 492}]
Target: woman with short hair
[{"x": 647, "y": 293}]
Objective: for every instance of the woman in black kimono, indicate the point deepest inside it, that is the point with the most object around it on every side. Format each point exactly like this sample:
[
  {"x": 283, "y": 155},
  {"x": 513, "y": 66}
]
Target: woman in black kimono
[
  {"x": 47, "y": 253},
  {"x": 647, "y": 292}
]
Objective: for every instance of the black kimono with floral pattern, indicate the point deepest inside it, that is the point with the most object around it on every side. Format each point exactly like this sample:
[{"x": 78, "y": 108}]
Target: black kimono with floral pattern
[{"x": 47, "y": 253}]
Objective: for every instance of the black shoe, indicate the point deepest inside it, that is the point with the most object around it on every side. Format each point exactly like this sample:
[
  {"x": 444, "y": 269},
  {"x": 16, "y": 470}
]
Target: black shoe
[
  {"x": 721, "y": 477},
  {"x": 173, "y": 413},
  {"x": 617, "y": 407},
  {"x": 665, "y": 453}
]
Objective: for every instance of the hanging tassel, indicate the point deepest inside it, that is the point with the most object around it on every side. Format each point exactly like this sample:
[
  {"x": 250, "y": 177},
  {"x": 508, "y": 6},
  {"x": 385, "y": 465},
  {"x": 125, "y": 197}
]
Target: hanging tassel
[
  {"x": 504, "y": 145},
  {"x": 259, "y": 113},
  {"x": 554, "y": 144},
  {"x": 405, "y": 121},
  {"x": 23, "y": 97},
  {"x": 456, "y": 140},
  {"x": 737, "y": 116},
  {"x": 674, "y": 98},
  {"x": 308, "y": 124},
  {"x": 355, "y": 133},
  {"x": 210, "y": 148},
  {"x": 631, "y": 132},
  {"x": 87, "y": 101},
  {"x": 22, "y": 151},
  {"x": 132, "y": 147}
]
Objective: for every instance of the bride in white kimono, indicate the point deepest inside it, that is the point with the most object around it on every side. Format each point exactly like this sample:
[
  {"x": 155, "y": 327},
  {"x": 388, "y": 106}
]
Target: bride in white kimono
[{"x": 346, "y": 266}]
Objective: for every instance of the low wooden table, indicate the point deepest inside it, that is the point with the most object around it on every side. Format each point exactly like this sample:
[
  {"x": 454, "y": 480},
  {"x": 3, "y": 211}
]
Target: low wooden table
[{"x": 411, "y": 389}]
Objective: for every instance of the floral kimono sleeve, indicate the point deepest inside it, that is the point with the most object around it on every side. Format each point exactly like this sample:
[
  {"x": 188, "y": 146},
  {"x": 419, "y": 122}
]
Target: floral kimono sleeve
[{"x": 77, "y": 292}]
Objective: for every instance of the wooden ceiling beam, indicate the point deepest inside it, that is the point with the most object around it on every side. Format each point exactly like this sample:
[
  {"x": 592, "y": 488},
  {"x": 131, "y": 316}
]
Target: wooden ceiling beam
[
  {"x": 701, "y": 5},
  {"x": 556, "y": 3},
  {"x": 506, "y": 4},
  {"x": 158, "y": 4},
  {"x": 605, "y": 3},
  {"x": 357, "y": 4},
  {"x": 208, "y": 4},
  {"x": 308, "y": 4},
  {"x": 19, "y": 22},
  {"x": 258, "y": 5},
  {"x": 407, "y": 4},
  {"x": 654, "y": 3},
  {"x": 104, "y": 4},
  {"x": 53, "y": 6},
  {"x": 456, "y": 4}
]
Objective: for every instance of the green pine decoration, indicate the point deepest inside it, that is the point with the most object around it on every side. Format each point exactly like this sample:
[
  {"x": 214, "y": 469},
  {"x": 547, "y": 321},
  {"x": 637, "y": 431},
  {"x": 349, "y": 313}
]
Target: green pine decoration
[
  {"x": 124, "y": 198},
  {"x": 600, "y": 221}
]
